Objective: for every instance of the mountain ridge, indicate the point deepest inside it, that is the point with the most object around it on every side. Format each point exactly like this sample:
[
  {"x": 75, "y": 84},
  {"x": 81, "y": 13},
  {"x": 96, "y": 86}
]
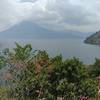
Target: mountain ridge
[
  {"x": 93, "y": 39},
  {"x": 30, "y": 30}
]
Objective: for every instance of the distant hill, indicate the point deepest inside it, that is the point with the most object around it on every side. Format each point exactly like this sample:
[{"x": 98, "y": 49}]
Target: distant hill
[
  {"x": 93, "y": 39},
  {"x": 30, "y": 30}
]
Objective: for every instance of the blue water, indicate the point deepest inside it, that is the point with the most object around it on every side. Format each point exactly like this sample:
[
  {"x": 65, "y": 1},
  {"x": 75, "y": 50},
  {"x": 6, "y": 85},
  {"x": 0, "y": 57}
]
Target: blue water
[{"x": 67, "y": 47}]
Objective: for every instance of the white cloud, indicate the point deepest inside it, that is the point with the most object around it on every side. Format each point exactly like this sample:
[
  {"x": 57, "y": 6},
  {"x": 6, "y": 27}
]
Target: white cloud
[
  {"x": 75, "y": 15},
  {"x": 12, "y": 12}
]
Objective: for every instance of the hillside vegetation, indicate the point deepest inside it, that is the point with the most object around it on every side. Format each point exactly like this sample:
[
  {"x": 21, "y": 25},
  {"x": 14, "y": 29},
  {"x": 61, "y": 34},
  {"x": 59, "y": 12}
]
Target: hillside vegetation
[{"x": 34, "y": 75}]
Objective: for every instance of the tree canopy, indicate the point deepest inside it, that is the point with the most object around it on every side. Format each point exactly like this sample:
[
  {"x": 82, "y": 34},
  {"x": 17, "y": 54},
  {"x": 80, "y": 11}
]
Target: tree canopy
[{"x": 36, "y": 75}]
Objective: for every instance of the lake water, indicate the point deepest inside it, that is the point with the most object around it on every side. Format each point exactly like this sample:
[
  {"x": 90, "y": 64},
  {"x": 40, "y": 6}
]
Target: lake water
[{"x": 67, "y": 47}]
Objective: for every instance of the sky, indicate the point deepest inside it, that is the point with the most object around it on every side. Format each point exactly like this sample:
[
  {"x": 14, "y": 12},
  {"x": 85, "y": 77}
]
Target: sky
[{"x": 62, "y": 15}]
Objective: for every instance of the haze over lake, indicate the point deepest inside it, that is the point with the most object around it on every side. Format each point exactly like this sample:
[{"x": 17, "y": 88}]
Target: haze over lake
[
  {"x": 67, "y": 43},
  {"x": 69, "y": 47},
  {"x": 55, "y": 26}
]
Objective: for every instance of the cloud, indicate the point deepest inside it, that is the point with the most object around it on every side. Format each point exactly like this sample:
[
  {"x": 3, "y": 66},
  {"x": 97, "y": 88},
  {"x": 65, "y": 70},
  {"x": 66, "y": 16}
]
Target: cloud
[
  {"x": 13, "y": 12},
  {"x": 74, "y": 15}
]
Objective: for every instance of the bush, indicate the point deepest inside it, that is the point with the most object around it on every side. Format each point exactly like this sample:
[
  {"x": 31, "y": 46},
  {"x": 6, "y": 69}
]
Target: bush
[
  {"x": 36, "y": 75},
  {"x": 95, "y": 68},
  {"x": 4, "y": 93}
]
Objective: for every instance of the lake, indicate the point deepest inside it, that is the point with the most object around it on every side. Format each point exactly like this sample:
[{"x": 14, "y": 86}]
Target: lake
[{"x": 67, "y": 47}]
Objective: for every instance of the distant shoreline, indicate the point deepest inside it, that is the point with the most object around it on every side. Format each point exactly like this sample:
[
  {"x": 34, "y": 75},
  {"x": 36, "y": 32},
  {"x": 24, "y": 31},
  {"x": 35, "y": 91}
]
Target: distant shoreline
[{"x": 93, "y": 39}]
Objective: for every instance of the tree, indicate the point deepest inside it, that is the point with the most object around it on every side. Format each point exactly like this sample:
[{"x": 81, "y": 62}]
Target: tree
[
  {"x": 88, "y": 88},
  {"x": 22, "y": 53},
  {"x": 70, "y": 79},
  {"x": 38, "y": 76},
  {"x": 95, "y": 68}
]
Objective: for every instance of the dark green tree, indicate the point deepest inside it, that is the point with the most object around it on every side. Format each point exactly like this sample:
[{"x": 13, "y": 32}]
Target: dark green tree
[
  {"x": 95, "y": 68},
  {"x": 36, "y": 75}
]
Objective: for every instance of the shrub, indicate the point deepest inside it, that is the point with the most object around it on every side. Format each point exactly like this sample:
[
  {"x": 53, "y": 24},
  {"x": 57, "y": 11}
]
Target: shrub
[{"x": 36, "y": 75}]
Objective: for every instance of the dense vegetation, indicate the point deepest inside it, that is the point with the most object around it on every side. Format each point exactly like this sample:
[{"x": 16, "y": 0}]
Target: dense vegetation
[{"x": 34, "y": 75}]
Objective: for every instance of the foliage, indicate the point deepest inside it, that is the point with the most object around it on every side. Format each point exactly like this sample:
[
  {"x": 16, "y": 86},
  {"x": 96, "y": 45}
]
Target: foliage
[
  {"x": 95, "y": 68},
  {"x": 4, "y": 93},
  {"x": 36, "y": 75},
  {"x": 3, "y": 57},
  {"x": 67, "y": 80},
  {"x": 22, "y": 53},
  {"x": 2, "y": 62},
  {"x": 88, "y": 88}
]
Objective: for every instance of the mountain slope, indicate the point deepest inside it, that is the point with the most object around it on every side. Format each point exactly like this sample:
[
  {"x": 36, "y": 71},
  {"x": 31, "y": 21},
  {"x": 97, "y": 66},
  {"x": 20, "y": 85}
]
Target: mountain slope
[
  {"x": 93, "y": 39},
  {"x": 30, "y": 30}
]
